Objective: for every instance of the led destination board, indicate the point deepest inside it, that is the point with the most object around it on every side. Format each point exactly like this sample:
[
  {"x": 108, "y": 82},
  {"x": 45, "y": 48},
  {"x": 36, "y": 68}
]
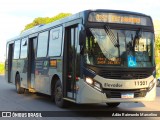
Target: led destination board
[{"x": 119, "y": 18}]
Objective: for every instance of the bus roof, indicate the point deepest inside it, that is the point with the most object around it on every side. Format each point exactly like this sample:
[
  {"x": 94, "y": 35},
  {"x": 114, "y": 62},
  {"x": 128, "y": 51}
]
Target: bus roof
[{"x": 81, "y": 14}]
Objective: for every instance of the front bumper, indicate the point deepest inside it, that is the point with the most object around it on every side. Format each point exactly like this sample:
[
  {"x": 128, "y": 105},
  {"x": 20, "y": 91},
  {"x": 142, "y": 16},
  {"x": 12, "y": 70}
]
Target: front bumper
[{"x": 88, "y": 94}]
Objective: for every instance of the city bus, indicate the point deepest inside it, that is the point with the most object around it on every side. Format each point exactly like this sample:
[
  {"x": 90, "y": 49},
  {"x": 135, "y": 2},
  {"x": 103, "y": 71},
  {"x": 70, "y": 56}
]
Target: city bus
[{"x": 94, "y": 56}]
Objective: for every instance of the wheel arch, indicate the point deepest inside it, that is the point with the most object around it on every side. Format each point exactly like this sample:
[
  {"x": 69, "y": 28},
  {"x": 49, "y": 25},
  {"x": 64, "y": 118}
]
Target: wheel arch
[
  {"x": 54, "y": 79},
  {"x": 15, "y": 76}
]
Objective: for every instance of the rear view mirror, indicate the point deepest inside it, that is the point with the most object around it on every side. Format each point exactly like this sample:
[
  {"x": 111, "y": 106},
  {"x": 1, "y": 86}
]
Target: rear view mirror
[{"x": 82, "y": 34}]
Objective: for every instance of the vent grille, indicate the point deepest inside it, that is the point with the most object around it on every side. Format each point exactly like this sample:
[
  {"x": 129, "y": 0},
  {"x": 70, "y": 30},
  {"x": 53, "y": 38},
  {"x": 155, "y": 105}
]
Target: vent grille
[
  {"x": 118, "y": 93},
  {"x": 124, "y": 74}
]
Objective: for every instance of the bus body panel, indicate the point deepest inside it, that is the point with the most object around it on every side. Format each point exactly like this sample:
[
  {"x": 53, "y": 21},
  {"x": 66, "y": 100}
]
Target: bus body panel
[
  {"x": 53, "y": 72},
  {"x": 14, "y": 70},
  {"x": 40, "y": 82},
  {"x": 91, "y": 95},
  {"x": 43, "y": 84},
  {"x": 41, "y": 75},
  {"x": 123, "y": 84},
  {"x": 22, "y": 70}
]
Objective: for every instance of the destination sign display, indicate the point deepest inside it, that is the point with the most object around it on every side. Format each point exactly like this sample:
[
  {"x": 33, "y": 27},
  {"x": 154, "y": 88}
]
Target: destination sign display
[
  {"x": 105, "y": 61},
  {"x": 119, "y": 18}
]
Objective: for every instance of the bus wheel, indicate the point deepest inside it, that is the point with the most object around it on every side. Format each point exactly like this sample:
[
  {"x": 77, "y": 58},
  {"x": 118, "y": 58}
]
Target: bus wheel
[
  {"x": 112, "y": 104},
  {"x": 59, "y": 101},
  {"x": 19, "y": 89}
]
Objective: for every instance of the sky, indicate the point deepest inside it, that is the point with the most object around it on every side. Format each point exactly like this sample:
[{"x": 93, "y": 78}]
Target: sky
[{"x": 15, "y": 14}]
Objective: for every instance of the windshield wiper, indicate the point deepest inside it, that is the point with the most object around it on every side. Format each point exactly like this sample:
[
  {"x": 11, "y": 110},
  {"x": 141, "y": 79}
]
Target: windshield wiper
[
  {"x": 137, "y": 37},
  {"x": 138, "y": 34},
  {"x": 112, "y": 36}
]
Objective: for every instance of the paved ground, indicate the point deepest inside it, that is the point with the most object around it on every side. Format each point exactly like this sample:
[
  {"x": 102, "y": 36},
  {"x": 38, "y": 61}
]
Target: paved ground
[{"x": 11, "y": 101}]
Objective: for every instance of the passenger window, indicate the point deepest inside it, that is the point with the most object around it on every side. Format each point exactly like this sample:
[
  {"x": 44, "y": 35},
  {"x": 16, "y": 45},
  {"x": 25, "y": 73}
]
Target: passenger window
[
  {"x": 55, "y": 42},
  {"x": 16, "y": 49},
  {"x": 24, "y": 44},
  {"x": 42, "y": 44}
]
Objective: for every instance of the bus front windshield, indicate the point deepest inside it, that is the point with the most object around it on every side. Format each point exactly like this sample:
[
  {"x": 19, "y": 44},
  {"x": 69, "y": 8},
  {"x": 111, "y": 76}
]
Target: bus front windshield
[{"x": 111, "y": 47}]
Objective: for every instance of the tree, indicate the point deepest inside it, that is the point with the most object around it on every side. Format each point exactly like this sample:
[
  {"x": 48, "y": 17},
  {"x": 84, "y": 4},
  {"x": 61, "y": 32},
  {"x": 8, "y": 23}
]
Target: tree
[
  {"x": 157, "y": 46},
  {"x": 45, "y": 20},
  {"x": 157, "y": 34}
]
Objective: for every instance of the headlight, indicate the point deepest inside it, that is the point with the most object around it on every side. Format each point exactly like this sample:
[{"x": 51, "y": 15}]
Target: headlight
[
  {"x": 93, "y": 83},
  {"x": 89, "y": 81}
]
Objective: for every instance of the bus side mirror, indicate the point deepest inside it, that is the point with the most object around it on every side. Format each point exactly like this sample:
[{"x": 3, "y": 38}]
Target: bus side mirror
[{"x": 82, "y": 34}]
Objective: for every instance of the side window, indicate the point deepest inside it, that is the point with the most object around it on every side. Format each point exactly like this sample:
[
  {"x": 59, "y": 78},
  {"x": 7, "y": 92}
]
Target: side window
[
  {"x": 42, "y": 44},
  {"x": 16, "y": 49},
  {"x": 55, "y": 42},
  {"x": 24, "y": 44}
]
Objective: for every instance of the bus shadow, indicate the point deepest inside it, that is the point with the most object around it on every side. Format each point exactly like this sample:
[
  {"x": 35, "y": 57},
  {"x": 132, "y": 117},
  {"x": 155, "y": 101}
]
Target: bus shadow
[{"x": 84, "y": 107}]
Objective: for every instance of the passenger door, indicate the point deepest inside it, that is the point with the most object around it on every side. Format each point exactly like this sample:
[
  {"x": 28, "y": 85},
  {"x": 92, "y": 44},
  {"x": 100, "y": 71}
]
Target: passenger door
[
  {"x": 71, "y": 61},
  {"x": 9, "y": 61},
  {"x": 23, "y": 62},
  {"x": 31, "y": 61}
]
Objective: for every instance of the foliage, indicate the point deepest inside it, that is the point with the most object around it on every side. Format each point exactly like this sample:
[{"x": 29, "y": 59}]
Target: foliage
[
  {"x": 1, "y": 68},
  {"x": 45, "y": 20},
  {"x": 157, "y": 46},
  {"x": 157, "y": 34}
]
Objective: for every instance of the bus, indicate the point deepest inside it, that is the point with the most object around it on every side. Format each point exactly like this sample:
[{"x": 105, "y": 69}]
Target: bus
[{"x": 94, "y": 56}]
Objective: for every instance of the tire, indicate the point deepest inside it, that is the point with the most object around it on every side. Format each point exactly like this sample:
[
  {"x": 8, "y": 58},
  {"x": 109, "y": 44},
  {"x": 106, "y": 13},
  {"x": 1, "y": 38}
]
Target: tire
[
  {"x": 39, "y": 94},
  {"x": 52, "y": 93},
  {"x": 19, "y": 89},
  {"x": 112, "y": 104},
  {"x": 58, "y": 95}
]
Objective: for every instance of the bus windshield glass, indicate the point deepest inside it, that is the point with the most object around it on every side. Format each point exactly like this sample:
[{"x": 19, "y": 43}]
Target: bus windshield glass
[{"x": 111, "y": 47}]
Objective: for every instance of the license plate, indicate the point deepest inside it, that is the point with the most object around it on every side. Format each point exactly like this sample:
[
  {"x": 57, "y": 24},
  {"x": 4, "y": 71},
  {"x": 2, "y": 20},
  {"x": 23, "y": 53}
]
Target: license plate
[{"x": 127, "y": 95}]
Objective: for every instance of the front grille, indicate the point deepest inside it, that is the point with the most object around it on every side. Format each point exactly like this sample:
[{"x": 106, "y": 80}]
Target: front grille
[
  {"x": 118, "y": 93},
  {"x": 114, "y": 74}
]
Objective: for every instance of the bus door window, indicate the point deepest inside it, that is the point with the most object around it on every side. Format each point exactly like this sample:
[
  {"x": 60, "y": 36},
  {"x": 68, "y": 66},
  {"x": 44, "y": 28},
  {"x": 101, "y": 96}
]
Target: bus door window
[
  {"x": 24, "y": 62},
  {"x": 33, "y": 53}
]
